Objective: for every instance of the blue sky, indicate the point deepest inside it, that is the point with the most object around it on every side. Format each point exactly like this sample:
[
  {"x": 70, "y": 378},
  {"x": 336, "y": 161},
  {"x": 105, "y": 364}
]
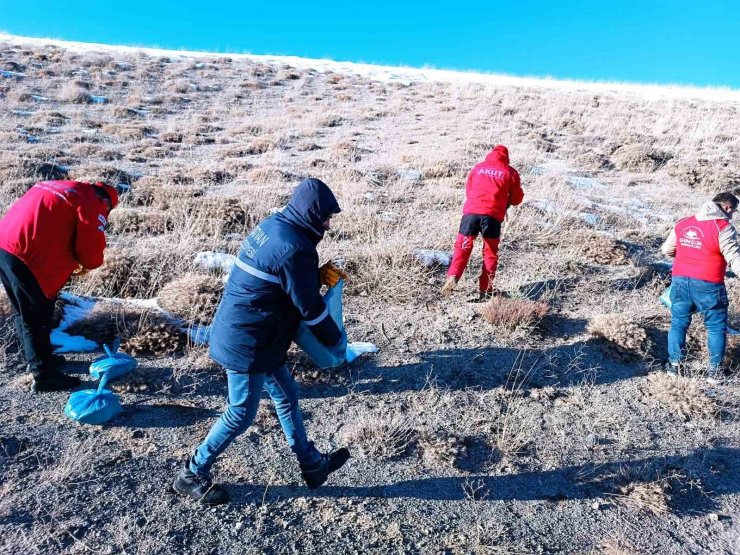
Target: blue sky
[{"x": 650, "y": 41}]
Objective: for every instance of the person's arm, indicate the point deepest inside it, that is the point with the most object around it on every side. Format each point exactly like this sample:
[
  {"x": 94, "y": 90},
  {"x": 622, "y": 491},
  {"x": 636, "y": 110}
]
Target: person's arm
[
  {"x": 729, "y": 247},
  {"x": 89, "y": 242},
  {"x": 516, "y": 194},
  {"x": 299, "y": 278},
  {"x": 668, "y": 247}
]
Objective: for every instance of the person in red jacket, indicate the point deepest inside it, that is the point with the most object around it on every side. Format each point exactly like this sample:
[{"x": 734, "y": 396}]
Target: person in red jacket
[
  {"x": 492, "y": 186},
  {"x": 55, "y": 229},
  {"x": 703, "y": 245}
]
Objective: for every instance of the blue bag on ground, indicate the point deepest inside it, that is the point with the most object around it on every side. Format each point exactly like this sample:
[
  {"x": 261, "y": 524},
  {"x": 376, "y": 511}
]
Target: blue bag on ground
[
  {"x": 93, "y": 406},
  {"x": 113, "y": 364},
  {"x": 322, "y": 356}
]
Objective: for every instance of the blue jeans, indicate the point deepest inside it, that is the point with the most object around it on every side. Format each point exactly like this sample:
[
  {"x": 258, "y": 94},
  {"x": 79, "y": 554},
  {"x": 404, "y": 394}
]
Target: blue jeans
[
  {"x": 244, "y": 398},
  {"x": 688, "y": 296}
]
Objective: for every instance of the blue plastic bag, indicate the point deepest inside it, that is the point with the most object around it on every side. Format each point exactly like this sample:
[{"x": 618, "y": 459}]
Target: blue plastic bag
[
  {"x": 113, "y": 364},
  {"x": 665, "y": 297},
  {"x": 323, "y": 356},
  {"x": 93, "y": 406}
]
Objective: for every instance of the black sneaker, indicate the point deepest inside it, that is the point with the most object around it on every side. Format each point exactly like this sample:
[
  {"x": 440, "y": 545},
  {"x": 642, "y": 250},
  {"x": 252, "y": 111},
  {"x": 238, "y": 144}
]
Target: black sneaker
[
  {"x": 316, "y": 474},
  {"x": 200, "y": 488},
  {"x": 54, "y": 381}
]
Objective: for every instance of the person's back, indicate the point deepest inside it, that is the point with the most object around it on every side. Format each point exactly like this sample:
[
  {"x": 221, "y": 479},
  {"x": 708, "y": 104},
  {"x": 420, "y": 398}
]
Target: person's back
[
  {"x": 492, "y": 186},
  {"x": 54, "y": 229},
  {"x": 274, "y": 286},
  {"x": 42, "y": 230},
  {"x": 702, "y": 245}
]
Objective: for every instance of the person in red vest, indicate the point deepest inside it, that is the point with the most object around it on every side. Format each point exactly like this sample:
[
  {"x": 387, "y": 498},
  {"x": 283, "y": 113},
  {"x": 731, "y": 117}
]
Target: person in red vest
[
  {"x": 702, "y": 245},
  {"x": 52, "y": 231},
  {"x": 492, "y": 186}
]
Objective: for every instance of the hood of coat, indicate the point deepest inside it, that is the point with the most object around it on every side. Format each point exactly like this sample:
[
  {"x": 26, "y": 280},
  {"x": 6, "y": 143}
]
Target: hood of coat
[
  {"x": 499, "y": 154},
  {"x": 311, "y": 204},
  {"x": 710, "y": 211}
]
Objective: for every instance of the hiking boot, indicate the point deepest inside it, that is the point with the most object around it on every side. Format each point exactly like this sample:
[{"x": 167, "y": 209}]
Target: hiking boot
[
  {"x": 449, "y": 286},
  {"x": 316, "y": 474},
  {"x": 672, "y": 369},
  {"x": 200, "y": 488},
  {"x": 54, "y": 381}
]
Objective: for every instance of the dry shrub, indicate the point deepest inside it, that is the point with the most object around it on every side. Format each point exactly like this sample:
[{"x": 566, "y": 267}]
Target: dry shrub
[
  {"x": 514, "y": 313},
  {"x": 73, "y": 92},
  {"x": 386, "y": 272},
  {"x": 131, "y": 220},
  {"x": 266, "y": 174},
  {"x": 594, "y": 161},
  {"x": 129, "y": 131},
  {"x": 625, "y": 337},
  {"x": 192, "y": 297},
  {"x": 640, "y": 158},
  {"x": 162, "y": 339},
  {"x": 345, "y": 151},
  {"x": 605, "y": 251},
  {"x": 650, "y": 497},
  {"x": 444, "y": 169},
  {"x": 121, "y": 275},
  {"x": 682, "y": 396},
  {"x": 441, "y": 449},
  {"x": 701, "y": 173},
  {"x": 215, "y": 216},
  {"x": 381, "y": 434},
  {"x": 51, "y": 118},
  {"x": 259, "y": 146}
]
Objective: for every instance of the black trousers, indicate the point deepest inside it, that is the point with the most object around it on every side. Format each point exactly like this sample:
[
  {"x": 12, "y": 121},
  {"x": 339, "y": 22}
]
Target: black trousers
[{"x": 34, "y": 312}]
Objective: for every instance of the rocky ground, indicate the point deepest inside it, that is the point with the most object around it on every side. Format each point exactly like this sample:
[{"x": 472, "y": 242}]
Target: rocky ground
[{"x": 540, "y": 423}]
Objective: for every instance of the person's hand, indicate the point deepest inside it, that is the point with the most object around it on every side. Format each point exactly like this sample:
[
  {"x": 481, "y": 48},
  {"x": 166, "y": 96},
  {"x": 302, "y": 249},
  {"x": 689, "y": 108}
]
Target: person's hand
[
  {"x": 80, "y": 270},
  {"x": 330, "y": 275}
]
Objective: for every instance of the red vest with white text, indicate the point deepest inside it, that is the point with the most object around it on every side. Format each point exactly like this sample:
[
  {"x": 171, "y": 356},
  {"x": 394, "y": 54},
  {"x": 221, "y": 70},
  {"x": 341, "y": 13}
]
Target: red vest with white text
[{"x": 698, "y": 254}]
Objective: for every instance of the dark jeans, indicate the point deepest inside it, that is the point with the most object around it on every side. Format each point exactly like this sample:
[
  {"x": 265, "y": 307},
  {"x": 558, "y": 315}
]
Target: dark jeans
[
  {"x": 689, "y": 296},
  {"x": 34, "y": 312},
  {"x": 245, "y": 391}
]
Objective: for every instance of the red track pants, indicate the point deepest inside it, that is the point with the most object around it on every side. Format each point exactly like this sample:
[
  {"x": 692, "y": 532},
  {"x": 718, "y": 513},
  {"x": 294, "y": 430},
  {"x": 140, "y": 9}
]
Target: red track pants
[{"x": 470, "y": 227}]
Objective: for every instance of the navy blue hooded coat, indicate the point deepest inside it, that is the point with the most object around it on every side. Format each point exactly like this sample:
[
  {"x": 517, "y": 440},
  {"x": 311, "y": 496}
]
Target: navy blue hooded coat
[{"x": 274, "y": 285}]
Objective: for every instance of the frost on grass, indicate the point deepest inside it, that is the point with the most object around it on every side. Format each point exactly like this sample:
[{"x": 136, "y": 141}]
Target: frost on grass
[{"x": 623, "y": 336}]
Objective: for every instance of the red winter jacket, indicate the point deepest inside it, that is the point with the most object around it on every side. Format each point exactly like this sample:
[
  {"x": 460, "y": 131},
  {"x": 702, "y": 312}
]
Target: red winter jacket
[
  {"x": 54, "y": 228},
  {"x": 493, "y": 186}
]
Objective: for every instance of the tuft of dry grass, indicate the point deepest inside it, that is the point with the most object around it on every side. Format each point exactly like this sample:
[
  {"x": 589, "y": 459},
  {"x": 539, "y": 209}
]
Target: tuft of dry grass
[
  {"x": 625, "y": 337},
  {"x": 649, "y": 497},
  {"x": 511, "y": 314},
  {"x": 440, "y": 448},
  {"x": 383, "y": 435},
  {"x": 682, "y": 396},
  {"x": 123, "y": 274},
  {"x": 192, "y": 297},
  {"x": 640, "y": 158}
]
